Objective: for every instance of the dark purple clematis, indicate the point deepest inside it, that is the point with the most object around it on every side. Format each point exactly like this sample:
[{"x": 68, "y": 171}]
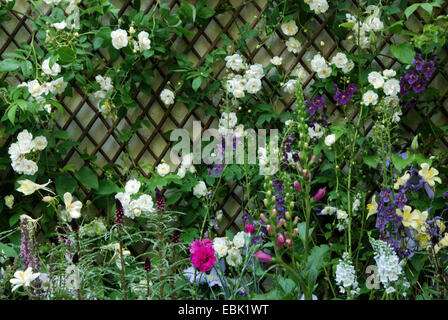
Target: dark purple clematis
[{"x": 411, "y": 76}]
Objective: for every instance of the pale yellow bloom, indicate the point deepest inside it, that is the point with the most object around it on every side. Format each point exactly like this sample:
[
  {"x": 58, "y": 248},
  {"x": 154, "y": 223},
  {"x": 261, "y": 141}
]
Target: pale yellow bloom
[
  {"x": 402, "y": 180},
  {"x": 28, "y": 187},
  {"x": 429, "y": 174},
  {"x": 412, "y": 219},
  {"x": 372, "y": 207},
  {"x": 73, "y": 208}
]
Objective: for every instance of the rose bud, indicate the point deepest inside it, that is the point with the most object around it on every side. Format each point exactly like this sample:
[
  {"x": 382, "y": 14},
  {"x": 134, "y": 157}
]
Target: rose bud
[
  {"x": 320, "y": 193},
  {"x": 297, "y": 185}
]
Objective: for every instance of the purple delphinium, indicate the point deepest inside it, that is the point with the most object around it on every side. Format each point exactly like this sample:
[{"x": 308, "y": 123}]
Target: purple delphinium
[
  {"x": 419, "y": 86},
  {"x": 400, "y": 200},
  {"x": 317, "y": 104},
  {"x": 342, "y": 97},
  {"x": 385, "y": 195},
  {"x": 411, "y": 76},
  {"x": 404, "y": 86},
  {"x": 287, "y": 151}
]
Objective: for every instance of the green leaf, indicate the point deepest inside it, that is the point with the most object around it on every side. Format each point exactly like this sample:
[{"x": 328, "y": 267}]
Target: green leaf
[
  {"x": 188, "y": 10},
  {"x": 107, "y": 187},
  {"x": 87, "y": 177},
  {"x": 65, "y": 183},
  {"x": 12, "y": 113},
  {"x": 8, "y": 65},
  {"x": 66, "y": 55},
  {"x": 196, "y": 83},
  {"x": 404, "y": 52},
  {"x": 347, "y": 25},
  {"x": 410, "y": 10},
  {"x": 399, "y": 162},
  {"x": 8, "y": 251},
  {"x": 372, "y": 161},
  {"x": 287, "y": 285}
]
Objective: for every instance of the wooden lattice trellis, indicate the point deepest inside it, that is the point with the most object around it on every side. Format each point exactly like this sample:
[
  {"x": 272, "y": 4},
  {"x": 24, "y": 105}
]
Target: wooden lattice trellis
[{"x": 87, "y": 126}]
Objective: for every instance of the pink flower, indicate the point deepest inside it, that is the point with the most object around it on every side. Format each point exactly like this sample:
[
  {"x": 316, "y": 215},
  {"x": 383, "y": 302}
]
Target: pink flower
[
  {"x": 263, "y": 257},
  {"x": 297, "y": 185},
  {"x": 280, "y": 240},
  {"x": 320, "y": 193},
  {"x": 202, "y": 254},
  {"x": 249, "y": 228}
]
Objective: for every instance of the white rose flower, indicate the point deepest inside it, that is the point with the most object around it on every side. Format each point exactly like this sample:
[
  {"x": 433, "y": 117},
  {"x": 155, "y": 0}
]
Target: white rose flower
[
  {"x": 325, "y": 72},
  {"x": 389, "y": 73},
  {"x": 319, "y": 6},
  {"x": 58, "y": 86},
  {"x": 239, "y": 239},
  {"x": 276, "y": 61},
  {"x": 181, "y": 172},
  {"x": 34, "y": 88},
  {"x": 53, "y": 71},
  {"x": 119, "y": 38},
  {"x": 253, "y": 85},
  {"x": 238, "y": 93},
  {"x": 255, "y": 71},
  {"x": 143, "y": 41},
  {"x": 234, "y": 62},
  {"x": 293, "y": 45},
  {"x": 330, "y": 139},
  {"x": 40, "y": 142},
  {"x": 318, "y": 63},
  {"x": 146, "y": 203},
  {"x": 376, "y": 79},
  {"x": 200, "y": 189},
  {"x": 124, "y": 198},
  {"x": 370, "y": 98},
  {"x": 300, "y": 73},
  {"x": 290, "y": 28},
  {"x": 105, "y": 83},
  {"x": 391, "y": 87},
  {"x": 167, "y": 96},
  {"x": 339, "y": 60},
  {"x": 221, "y": 246},
  {"x": 132, "y": 186},
  {"x": 163, "y": 169}
]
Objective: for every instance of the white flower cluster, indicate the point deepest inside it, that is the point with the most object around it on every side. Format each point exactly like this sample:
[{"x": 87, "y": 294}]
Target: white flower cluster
[
  {"x": 385, "y": 81},
  {"x": 25, "y": 145},
  {"x": 390, "y": 268},
  {"x": 341, "y": 215},
  {"x": 356, "y": 202},
  {"x": 186, "y": 165},
  {"x": 346, "y": 276},
  {"x": 268, "y": 163},
  {"x": 249, "y": 82},
  {"x": 363, "y": 29},
  {"x": 319, "y": 65},
  {"x": 341, "y": 61},
  {"x": 230, "y": 249},
  {"x": 318, "y": 6},
  {"x": 120, "y": 40},
  {"x": 163, "y": 169},
  {"x": 134, "y": 207},
  {"x": 227, "y": 125},
  {"x": 106, "y": 86}
]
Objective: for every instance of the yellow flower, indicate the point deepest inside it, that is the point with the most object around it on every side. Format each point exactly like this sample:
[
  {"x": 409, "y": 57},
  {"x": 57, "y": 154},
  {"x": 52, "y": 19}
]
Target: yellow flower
[
  {"x": 429, "y": 174},
  {"x": 414, "y": 219},
  {"x": 402, "y": 180},
  {"x": 28, "y": 187},
  {"x": 423, "y": 239},
  {"x": 372, "y": 207}
]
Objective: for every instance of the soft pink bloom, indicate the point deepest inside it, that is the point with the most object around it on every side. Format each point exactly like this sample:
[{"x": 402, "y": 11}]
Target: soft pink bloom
[
  {"x": 202, "y": 254},
  {"x": 263, "y": 257},
  {"x": 297, "y": 185},
  {"x": 249, "y": 228},
  {"x": 320, "y": 193},
  {"x": 280, "y": 240}
]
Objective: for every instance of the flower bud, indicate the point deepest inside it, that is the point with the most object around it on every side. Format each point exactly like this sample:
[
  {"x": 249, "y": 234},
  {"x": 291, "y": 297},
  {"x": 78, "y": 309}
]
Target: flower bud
[
  {"x": 299, "y": 167},
  {"x": 263, "y": 217},
  {"x": 147, "y": 266},
  {"x": 319, "y": 194},
  {"x": 263, "y": 257},
  {"x": 265, "y": 201},
  {"x": 273, "y": 213},
  {"x": 280, "y": 240},
  {"x": 305, "y": 173},
  {"x": 288, "y": 215},
  {"x": 288, "y": 243},
  {"x": 295, "y": 232},
  {"x": 313, "y": 159},
  {"x": 249, "y": 228},
  {"x": 273, "y": 198},
  {"x": 269, "y": 228},
  {"x": 414, "y": 144},
  {"x": 296, "y": 219},
  {"x": 297, "y": 185}
]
